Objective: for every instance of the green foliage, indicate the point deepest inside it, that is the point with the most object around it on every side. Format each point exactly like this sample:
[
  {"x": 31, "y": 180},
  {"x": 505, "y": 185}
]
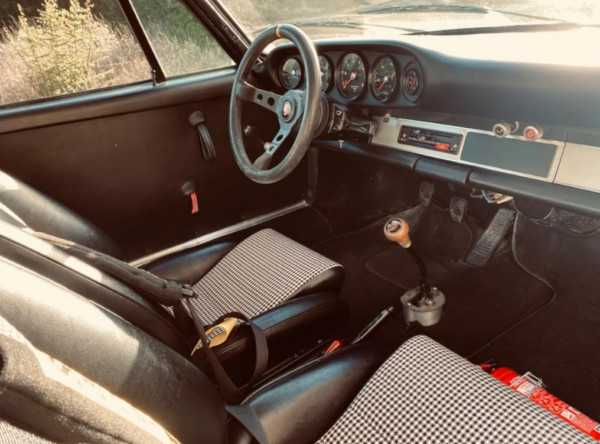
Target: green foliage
[
  {"x": 62, "y": 48},
  {"x": 69, "y": 47}
]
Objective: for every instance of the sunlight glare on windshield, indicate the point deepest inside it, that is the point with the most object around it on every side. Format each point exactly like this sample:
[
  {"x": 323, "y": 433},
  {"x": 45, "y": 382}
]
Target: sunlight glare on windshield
[{"x": 354, "y": 18}]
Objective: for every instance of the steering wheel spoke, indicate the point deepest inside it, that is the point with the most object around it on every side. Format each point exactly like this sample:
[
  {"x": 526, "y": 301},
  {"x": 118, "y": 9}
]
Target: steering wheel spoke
[
  {"x": 264, "y": 161},
  {"x": 266, "y": 99}
]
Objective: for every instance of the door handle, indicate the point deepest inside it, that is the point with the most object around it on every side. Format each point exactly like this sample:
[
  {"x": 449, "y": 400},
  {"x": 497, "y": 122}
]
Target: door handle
[{"x": 198, "y": 120}]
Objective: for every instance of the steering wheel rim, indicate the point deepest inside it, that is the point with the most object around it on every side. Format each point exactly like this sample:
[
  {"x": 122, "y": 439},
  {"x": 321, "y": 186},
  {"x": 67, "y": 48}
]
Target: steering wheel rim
[{"x": 290, "y": 107}]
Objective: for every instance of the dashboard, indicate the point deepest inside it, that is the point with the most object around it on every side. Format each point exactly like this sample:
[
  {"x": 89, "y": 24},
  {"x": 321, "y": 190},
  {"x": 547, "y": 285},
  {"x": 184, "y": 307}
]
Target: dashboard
[{"x": 467, "y": 109}]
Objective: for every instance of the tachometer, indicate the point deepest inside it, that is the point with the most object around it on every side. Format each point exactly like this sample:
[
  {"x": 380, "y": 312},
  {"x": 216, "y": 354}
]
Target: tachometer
[
  {"x": 351, "y": 76},
  {"x": 325, "y": 73},
  {"x": 383, "y": 78},
  {"x": 291, "y": 73}
]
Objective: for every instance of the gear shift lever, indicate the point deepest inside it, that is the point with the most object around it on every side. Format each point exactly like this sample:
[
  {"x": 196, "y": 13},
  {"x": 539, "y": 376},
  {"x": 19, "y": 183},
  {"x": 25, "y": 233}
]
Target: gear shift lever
[{"x": 423, "y": 304}]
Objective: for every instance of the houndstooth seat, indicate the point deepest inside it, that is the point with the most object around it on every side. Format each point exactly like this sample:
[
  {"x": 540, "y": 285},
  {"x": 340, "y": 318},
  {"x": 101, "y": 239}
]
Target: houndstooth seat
[
  {"x": 260, "y": 273},
  {"x": 424, "y": 393}
]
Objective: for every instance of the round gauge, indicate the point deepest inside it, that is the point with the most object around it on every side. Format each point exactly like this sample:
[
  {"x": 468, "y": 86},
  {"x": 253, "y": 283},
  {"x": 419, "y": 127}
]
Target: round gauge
[
  {"x": 325, "y": 73},
  {"x": 383, "y": 78},
  {"x": 352, "y": 76},
  {"x": 291, "y": 73},
  {"x": 412, "y": 82}
]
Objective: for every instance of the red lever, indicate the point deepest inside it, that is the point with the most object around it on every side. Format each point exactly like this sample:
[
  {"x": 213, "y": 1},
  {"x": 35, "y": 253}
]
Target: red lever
[
  {"x": 335, "y": 345},
  {"x": 194, "y": 202}
]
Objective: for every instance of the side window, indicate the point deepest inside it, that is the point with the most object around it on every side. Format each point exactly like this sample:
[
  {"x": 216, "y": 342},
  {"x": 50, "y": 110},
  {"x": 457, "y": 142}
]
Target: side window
[
  {"x": 47, "y": 50},
  {"x": 51, "y": 48},
  {"x": 181, "y": 43}
]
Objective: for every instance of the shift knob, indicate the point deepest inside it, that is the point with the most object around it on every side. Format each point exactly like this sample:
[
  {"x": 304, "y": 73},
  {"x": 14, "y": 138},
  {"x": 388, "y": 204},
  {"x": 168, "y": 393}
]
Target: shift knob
[{"x": 396, "y": 230}]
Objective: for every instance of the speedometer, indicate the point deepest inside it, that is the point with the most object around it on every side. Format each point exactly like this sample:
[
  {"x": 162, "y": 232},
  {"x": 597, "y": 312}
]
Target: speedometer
[
  {"x": 383, "y": 78},
  {"x": 352, "y": 76}
]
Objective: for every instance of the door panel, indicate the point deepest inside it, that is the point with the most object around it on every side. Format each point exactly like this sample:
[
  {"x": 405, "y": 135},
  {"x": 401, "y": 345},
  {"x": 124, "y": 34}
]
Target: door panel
[{"x": 124, "y": 171}]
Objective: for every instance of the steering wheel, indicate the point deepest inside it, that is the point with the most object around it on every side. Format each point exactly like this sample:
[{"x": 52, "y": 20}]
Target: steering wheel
[{"x": 290, "y": 107}]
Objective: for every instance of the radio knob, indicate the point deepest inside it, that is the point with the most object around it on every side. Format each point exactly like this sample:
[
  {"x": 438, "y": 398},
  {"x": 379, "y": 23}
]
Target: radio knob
[{"x": 502, "y": 129}]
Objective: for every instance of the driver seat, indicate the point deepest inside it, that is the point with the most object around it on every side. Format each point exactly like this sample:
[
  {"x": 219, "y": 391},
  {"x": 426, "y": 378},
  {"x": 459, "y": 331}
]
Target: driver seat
[{"x": 251, "y": 277}]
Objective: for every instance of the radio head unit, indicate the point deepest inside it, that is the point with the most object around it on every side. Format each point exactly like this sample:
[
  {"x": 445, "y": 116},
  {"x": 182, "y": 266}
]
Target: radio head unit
[{"x": 430, "y": 139}]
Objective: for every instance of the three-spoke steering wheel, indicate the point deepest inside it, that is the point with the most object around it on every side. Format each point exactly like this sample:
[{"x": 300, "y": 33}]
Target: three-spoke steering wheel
[{"x": 291, "y": 107}]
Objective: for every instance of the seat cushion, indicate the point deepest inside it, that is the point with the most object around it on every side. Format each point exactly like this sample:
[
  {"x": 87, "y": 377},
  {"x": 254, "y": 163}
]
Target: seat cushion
[
  {"x": 424, "y": 393},
  {"x": 260, "y": 273}
]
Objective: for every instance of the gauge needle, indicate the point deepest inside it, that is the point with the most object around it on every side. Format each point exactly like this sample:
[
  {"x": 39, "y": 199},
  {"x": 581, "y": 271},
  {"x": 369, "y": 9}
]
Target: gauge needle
[
  {"x": 413, "y": 83},
  {"x": 385, "y": 79},
  {"x": 347, "y": 82}
]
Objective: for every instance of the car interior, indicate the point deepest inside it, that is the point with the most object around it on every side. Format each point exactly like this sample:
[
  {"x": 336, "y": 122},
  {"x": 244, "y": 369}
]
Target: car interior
[{"x": 372, "y": 237}]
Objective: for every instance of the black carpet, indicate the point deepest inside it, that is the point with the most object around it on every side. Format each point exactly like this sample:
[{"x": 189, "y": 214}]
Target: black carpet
[
  {"x": 560, "y": 344},
  {"x": 441, "y": 243},
  {"x": 481, "y": 302}
]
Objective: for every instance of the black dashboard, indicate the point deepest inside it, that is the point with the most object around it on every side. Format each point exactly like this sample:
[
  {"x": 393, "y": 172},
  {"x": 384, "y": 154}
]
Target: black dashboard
[{"x": 463, "y": 108}]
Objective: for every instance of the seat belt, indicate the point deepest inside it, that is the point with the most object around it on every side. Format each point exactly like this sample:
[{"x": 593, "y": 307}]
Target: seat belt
[{"x": 172, "y": 294}]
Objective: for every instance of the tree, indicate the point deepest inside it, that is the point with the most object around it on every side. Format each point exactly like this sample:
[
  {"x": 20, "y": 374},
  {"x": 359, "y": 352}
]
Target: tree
[{"x": 62, "y": 48}]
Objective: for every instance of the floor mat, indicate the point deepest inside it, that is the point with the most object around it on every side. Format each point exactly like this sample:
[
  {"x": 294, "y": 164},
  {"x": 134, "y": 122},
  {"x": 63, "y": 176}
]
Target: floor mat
[
  {"x": 560, "y": 344},
  {"x": 441, "y": 243},
  {"x": 482, "y": 303}
]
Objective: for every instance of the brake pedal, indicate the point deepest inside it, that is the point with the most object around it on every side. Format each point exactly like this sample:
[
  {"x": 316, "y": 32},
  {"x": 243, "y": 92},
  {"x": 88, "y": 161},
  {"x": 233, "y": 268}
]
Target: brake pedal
[
  {"x": 485, "y": 247},
  {"x": 458, "y": 209},
  {"x": 426, "y": 192}
]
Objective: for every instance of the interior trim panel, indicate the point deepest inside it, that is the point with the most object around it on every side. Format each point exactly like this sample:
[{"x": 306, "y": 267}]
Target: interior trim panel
[
  {"x": 579, "y": 167},
  {"x": 121, "y": 100},
  {"x": 538, "y": 159}
]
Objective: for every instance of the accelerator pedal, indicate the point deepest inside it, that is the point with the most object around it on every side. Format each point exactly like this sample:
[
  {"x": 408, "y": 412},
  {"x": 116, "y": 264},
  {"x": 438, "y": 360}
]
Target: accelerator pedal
[{"x": 484, "y": 249}]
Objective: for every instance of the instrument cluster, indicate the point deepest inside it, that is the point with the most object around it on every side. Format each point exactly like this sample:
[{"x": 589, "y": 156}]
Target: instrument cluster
[{"x": 362, "y": 77}]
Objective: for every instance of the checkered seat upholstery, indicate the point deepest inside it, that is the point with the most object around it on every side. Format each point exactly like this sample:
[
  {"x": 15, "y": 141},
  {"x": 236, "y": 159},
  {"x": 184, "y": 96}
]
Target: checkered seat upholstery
[
  {"x": 260, "y": 273},
  {"x": 424, "y": 393}
]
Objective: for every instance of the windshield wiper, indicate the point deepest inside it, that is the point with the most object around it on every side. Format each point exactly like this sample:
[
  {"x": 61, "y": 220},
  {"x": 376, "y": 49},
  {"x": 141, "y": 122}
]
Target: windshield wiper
[
  {"x": 531, "y": 27},
  {"x": 348, "y": 24},
  {"x": 401, "y": 7}
]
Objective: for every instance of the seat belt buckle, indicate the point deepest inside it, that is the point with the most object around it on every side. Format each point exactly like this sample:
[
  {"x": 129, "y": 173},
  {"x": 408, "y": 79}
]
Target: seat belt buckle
[{"x": 218, "y": 333}]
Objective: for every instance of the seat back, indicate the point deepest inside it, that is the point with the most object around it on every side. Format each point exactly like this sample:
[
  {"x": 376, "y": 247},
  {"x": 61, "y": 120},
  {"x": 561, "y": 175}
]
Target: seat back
[
  {"x": 111, "y": 352},
  {"x": 55, "y": 264},
  {"x": 23, "y": 206}
]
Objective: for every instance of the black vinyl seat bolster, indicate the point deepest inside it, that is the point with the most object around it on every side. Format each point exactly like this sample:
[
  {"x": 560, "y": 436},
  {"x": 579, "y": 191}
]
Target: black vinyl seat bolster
[
  {"x": 44, "y": 214},
  {"x": 53, "y": 263},
  {"x": 300, "y": 406},
  {"x": 289, "y": 328},
  {"x": 115, "y": 354}
]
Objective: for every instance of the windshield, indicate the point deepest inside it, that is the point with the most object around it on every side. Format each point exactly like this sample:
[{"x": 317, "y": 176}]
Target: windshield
[{"x": 322, "y": 19}]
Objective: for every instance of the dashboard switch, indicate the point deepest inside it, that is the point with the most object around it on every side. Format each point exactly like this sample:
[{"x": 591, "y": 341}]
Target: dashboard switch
[
  {"x": 533, "y": 132},
  {"x": 502, "y": 129}
]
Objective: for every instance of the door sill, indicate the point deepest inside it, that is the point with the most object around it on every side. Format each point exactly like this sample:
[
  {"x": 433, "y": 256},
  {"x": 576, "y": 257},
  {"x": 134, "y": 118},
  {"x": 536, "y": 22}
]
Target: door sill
[{"x": 205, "y": 238}]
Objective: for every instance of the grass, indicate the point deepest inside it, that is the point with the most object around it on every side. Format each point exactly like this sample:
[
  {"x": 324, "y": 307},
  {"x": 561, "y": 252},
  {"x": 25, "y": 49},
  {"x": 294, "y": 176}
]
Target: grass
[{"x": 65, "y": 51}]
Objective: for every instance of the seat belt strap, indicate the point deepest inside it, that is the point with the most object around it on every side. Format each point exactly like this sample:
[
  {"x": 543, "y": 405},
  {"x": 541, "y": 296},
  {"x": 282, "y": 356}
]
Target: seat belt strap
[
  {"x": 172, "y": 294},
  {"x": 246, "y": 415}
]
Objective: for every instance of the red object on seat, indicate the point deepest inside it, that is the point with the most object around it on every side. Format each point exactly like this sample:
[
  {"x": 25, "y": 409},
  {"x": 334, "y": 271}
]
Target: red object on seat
[
  {"x": 550, "y": 402},
  {"x": 194, "y": 203}
]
